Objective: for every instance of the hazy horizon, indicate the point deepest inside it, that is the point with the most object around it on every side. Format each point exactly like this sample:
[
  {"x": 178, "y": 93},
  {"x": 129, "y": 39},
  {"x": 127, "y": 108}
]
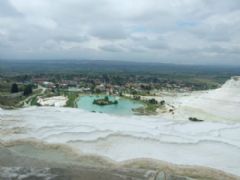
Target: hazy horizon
[
  {"x": 59, "y": 60},
  {"x": 195, "y": 32}
]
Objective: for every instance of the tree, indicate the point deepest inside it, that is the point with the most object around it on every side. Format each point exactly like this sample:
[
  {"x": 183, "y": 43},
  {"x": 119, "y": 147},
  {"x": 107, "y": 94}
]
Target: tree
[
  {"x": 106, "y": 98},
  {"x": 14, "y": 88},
  {"x": 27, "y": 90},
  {"x": 162, "y": 102},
  {"x": 152, "y": 101}
]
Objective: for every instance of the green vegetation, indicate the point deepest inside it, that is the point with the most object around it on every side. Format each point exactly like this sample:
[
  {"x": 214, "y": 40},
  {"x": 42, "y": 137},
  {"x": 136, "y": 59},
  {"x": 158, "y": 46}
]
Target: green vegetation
[
  {"x": 152, "y": 101},
  {"x": 8, "y": 101},
  {"x": 34, "y": 101},
  {"x": 150, "y": 107},
  {"x": 27, "y": 90},
  {"x": 118, "y": 78},
  {"x": 72, "y": 96},
  {"x": 104, "y": 101},
  {"x": 14, "y": 88},
  {"x": 13, "y": 93}
]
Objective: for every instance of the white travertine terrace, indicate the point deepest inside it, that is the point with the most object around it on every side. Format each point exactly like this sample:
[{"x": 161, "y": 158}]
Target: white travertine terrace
[
  {"x": 57, "y": 101},
  {"x": 213, "y": 144}
]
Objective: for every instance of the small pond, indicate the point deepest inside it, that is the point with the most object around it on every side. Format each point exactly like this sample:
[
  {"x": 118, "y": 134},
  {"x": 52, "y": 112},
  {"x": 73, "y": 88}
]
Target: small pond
[{"x": 124, "y": 106}]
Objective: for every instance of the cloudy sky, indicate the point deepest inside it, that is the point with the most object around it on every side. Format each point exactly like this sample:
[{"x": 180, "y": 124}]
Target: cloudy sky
[{"x": 172, "y": 31}]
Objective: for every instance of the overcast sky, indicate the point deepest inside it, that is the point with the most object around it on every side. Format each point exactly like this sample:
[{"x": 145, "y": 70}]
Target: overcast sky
[{"x": 172, "y": 31}]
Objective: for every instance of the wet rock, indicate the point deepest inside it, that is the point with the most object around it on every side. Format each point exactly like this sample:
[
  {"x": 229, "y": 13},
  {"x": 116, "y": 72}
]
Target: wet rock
[{"x": 195, "y": 119}]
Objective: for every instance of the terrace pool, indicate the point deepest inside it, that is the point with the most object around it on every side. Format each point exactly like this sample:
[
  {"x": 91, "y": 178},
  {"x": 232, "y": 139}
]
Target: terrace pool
[{"x": 124, "y": 106}]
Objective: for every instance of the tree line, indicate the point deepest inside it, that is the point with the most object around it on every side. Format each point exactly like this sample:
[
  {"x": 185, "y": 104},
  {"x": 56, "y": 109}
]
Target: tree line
[{"x": 27, "y": 90}]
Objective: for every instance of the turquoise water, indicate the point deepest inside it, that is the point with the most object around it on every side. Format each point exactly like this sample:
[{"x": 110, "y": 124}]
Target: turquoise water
[{"x": 124, "y": 106}]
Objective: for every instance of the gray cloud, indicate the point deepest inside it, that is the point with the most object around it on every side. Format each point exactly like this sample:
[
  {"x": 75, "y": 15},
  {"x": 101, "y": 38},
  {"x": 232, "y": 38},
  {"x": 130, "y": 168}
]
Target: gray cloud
[
  {"x": 112, "y": 48},
  {"x": 6, "y": 9},
  {"x": 109, "y": 31},
  {"x": 70, "y": 38},
  {"x": 177, "y": 31}
]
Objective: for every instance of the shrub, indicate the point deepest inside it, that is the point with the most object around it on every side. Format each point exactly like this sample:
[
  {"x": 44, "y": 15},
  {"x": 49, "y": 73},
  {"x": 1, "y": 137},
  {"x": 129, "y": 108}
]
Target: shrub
[
  {"x": 27, "y": 90},
  {"x": 14, "y": 88}
]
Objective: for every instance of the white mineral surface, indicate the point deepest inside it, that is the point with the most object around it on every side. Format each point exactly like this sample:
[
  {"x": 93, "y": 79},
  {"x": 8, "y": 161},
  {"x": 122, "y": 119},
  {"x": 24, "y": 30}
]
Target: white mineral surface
[{"x": 213, "y": 143}]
